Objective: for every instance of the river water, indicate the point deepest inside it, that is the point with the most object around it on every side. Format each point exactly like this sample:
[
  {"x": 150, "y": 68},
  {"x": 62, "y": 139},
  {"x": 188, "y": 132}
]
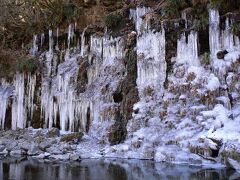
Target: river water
[{"x": 105, "y": 169}]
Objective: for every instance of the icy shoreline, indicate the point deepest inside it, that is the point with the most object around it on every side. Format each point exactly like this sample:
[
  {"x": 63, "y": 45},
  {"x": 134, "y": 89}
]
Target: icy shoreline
[{"x": 47, "y": 145}]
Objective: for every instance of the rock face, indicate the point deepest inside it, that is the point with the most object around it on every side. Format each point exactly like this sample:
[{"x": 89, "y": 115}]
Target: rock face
[{"x": 126, "y": 94}]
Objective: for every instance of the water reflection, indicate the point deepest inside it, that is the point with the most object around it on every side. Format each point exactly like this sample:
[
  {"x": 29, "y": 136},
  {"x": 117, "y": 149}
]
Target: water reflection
[{"x": 26, "y": 169}]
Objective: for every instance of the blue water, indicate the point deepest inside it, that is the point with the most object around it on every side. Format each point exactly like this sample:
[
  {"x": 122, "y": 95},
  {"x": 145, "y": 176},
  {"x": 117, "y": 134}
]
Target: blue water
[{"x": 108, "y": 169}]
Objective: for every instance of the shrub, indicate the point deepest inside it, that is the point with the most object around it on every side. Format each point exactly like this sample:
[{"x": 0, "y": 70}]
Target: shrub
[
  {"x": 172, "y": 8},
  {"x": 216, "y": 3},
  {"x": 112, "y": 20},
  {"x": 206, "y": 58},
  {"x": 27, "y": 65},
  {"x": 235, "y": 28},
  {"x": 71, "y": 137}
]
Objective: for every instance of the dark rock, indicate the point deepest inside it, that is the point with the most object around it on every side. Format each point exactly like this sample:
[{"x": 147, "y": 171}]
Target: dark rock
[
  {"x": 118, "y": 130},
  {"x": 221, "y": 54},
  {"x": 82, "y": 76},
  {"x": 117, "y": 97},
  {"x": 126, "y": 94}
]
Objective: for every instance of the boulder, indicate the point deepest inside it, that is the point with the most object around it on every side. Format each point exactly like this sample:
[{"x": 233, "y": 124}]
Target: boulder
[
  {"x": 10, "y": 145},
  {"x": 4, "y": 152},
  {"x": 74, "y": 157},
  {"x": 25, "y": 145},
  {"x": 221, "y": 54},
  {"x": 63, "y": 157},
  {"x": 55, "y": 149},
  {"x": 54, "y": 132},
  {"x": 2, "y": 148},
  {"x": 42, "y": 156},
  {"x": 45, "y": 144},
  {"x": 34, "y": 150},
  {"x": 72, "y": 137},
  {"x": 234, "y": 164},
  {"x": 17, "y": 152}
]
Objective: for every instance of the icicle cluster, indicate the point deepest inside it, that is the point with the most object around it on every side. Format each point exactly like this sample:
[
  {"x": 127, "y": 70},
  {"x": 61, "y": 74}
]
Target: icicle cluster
[
  {"x": 60, "y": 101},
  {"x": 151, "y": 66},
  {"x": 221, "y": 39},
  {"x": 187, "y": 49}
]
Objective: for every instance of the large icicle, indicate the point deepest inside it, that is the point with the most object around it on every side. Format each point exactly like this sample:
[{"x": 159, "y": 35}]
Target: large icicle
[
  {"x": 5, "y": 92},
  {"x": 151, "y": 65},
  {"x": 18, "y": 109},
  {"x": 31, "y": 84},
  {"x": 23, "y": 100},
  {"x": 214, "y": 35},
  {"x": 187, "y": 49},
  {"x": 70, "y": 34},
  {"x": 151, "y": 59},
  {"x": 137, "y": 15},
  {"x": 221, "y": 40},
  {"x": 35, "y": 46},
  {"x": 83, "y": 46}
]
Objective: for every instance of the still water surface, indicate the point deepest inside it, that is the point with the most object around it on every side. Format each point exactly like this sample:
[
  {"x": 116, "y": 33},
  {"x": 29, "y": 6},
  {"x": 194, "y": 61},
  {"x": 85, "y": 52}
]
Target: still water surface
[{"x": 110, "y": 169}]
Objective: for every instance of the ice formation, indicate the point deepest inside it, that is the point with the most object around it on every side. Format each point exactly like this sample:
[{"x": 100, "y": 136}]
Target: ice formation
[
  {"x": 151, "y": 66},
  {"x": 196, "y": 109},
  {"x": 221, "y": 39},
  {"x": 5, "y": 93},
  {"x": 34, "y": 48},
  {"x": 61, "y": 104},
  {"x": 187, "y": 49},
  {"x": 214, "y": 31}
]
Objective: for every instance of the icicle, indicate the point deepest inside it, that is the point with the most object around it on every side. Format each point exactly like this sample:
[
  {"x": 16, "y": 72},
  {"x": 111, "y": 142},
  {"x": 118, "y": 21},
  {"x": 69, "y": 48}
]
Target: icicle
[
  {"x": 96, "y": 45},
  {"x": 151, "y": 59},
  {"x": 18, "y": 109},
  {"x": 184, "y": 16},
  {"x": 70, "y": 34},
  {"x": 50, "y": 41},
  {"x": 5, "y": 92},
  {"x": 23, "y": 100},
  {"x": 31, "y": 83},
  {"x": 57, "y": 47},
  {"x": 137, "y": 14},
  {"x": 83, "y": 48},
  {"x": 187, "y": 50},
  {"x": 42, "y": 39},
  {"x": 214, "y": 35},
  {"x": 229, "y": 41},
  {"x": 35, "y": 46},
  {"x": 112, "y": 49}
]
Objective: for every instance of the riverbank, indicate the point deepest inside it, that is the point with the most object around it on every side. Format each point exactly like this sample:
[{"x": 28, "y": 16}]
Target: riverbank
[{"x": 54, "y": 145}]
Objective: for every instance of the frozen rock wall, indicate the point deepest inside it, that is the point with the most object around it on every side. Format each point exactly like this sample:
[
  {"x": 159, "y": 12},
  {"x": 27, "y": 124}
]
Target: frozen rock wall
[
  {"x": 89, "y": 85},
  {"x": 61, "y": 103}
]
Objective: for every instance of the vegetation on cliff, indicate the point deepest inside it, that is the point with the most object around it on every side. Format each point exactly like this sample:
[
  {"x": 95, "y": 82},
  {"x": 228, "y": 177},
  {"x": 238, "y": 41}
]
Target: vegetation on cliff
[{"x": 21, "y": 19}]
